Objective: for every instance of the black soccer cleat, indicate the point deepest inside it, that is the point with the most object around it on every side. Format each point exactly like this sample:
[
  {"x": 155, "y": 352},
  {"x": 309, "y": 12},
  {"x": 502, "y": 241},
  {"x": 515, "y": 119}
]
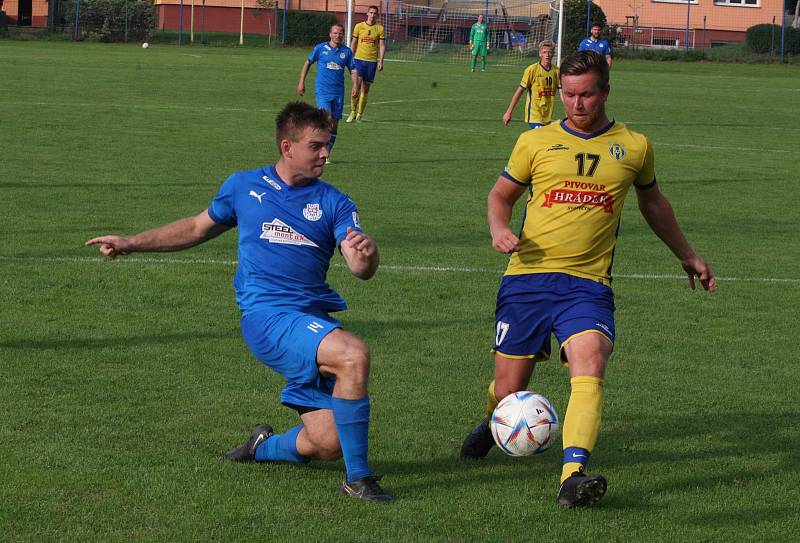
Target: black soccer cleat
[
  {"x": 247, "y": 451},
  {"x": 479, "y": 441},
  {"x": 581, "y": 490},
  {"x": 366, "y": 488}
]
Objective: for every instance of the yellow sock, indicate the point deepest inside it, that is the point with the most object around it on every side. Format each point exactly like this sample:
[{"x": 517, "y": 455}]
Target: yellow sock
[
  {"x": 362, "y": 104},
  {"x": 354, "y": 104},
  {"x": 581, "y": 422},
  {"x": 491, "y": 400}
]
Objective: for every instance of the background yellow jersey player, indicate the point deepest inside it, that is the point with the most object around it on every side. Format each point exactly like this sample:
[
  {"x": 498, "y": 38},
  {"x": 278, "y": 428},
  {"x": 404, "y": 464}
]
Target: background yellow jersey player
[
  {"x": 540, "y": 83},
  {"x": 577, "y": 174},
  {"x": 369, "y": 44}
]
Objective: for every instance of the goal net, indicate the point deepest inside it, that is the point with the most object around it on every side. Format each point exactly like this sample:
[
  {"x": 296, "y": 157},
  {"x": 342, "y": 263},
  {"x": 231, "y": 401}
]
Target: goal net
[{"x": 439, "y": 30}]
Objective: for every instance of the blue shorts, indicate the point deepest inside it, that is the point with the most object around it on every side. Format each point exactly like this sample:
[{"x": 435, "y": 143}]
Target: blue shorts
[
  {"x": 534, "y": 126},
  {"x": 333, "y": 104},
  {"x": 530, "y": 307},
  {"x": 366, "y": 70},
  {"x": 287, "y": 341}
]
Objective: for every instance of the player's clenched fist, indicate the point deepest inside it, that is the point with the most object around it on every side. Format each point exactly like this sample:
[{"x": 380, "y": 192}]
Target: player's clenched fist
[
  {"x": 360, "y": 242},
  {"x": 505, "y": 241}
]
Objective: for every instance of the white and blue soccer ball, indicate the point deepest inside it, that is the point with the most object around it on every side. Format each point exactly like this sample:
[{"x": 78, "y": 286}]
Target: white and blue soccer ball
[{"x": 524, "y": 423}]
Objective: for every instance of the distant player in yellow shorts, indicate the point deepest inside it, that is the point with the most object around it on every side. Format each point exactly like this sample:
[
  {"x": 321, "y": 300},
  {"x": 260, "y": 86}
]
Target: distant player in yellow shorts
[
  {"x": 369, "y": 44},
  {"x": 540, "y": 82},
  {"x": 576, "y": 175}
]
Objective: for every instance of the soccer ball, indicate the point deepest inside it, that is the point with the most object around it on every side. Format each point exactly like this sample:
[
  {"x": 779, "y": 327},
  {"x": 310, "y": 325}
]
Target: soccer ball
[
  {"x": 145, "y": 45},
  {"x": 524, "y": 423}
]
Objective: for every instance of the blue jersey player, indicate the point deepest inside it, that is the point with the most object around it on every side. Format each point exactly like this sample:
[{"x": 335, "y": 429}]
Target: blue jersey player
[
  {"x": 597, "y": 44},
  {"x": 290, "y": 223},
  {"x": 332, "y": 58}
]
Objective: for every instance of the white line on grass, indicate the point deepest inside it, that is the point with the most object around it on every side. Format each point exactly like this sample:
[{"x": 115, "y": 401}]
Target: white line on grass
[{"x": 389, "y": 267}]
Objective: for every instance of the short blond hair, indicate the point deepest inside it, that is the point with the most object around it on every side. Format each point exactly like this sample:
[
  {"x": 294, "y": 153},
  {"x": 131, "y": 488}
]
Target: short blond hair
[{"x": 547, "y": 43}]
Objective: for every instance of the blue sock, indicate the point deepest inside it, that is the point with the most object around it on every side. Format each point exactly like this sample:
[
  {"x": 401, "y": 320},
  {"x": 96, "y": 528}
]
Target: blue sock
[
  {"x": 352, "y": 425},
  {"x": 332, "y": 141},
  {"x": 281, "y": 448}
]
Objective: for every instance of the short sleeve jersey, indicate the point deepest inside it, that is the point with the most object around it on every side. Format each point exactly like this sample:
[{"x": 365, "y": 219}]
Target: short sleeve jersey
[
  {"x": 368, "y": 41},
  {"x": 600, "y": 46},
  {"x": 331, "y": 62},
  {"x": 541, "y": 85},
  {"x": 479, "y": 33},
  {"x": 577, "y": 187},
  {"x": 287, "y": 236}
]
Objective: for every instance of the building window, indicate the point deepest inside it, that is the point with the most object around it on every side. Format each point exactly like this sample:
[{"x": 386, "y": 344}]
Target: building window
[{"x": 747, "y": 3}]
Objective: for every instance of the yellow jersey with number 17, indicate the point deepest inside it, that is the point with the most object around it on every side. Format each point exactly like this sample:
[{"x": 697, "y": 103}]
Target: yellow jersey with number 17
[
  {"x": 368, "y": 38},
  {"x": 577, "y": 186}
]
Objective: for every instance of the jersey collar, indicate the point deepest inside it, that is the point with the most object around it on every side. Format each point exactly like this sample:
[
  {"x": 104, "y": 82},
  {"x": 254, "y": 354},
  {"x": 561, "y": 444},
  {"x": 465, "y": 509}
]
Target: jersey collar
[
  {"x": 581, "y": 135},
  {"x": 272, "y": 172}
]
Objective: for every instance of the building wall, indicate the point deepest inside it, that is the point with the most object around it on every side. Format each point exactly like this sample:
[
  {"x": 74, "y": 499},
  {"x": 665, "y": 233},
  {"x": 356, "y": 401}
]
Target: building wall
[
  {"x": 673, "y": 14},
  {"x": 38, "y": 12}
]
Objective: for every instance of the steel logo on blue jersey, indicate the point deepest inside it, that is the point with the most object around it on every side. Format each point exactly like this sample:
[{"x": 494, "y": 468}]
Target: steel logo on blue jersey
[{"x": 278, "y": 231}]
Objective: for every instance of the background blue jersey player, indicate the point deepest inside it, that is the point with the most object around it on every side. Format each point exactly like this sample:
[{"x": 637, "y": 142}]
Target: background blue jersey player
[
  {"x": 332, "y": 58},
  {"x": 597, "y": 44},
  {"x": 290, "y": 222}
]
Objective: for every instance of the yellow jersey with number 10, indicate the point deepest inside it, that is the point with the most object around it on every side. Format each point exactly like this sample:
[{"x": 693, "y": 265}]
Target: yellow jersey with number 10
[
  {"x": 368, "y": 38},
  {"x": 577, "y": 186},
  {"x": 541, "y": 85}
]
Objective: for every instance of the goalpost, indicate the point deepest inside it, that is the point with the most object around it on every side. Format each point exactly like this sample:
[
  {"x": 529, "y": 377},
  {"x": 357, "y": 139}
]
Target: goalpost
[{"x": 438, "y": 30}]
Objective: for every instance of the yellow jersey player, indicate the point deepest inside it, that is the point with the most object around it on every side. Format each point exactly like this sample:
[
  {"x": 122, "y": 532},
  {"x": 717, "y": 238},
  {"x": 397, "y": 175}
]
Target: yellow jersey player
[
  {"x": 540, "y": 82},
  {"x": 369, "y": 44},
  {"x": 577, "y": 173}
]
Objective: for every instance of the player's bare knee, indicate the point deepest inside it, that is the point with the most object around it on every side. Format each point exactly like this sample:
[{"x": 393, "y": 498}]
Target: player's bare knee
[
  {"x": 355, "y": 362},
  {"x": 327, "y": 447}
]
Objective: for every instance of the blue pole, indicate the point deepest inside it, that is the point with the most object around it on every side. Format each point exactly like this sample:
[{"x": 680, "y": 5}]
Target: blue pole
[
  {"x": 686, "y": 35},
  {"x": 180, "y": 25},
  {"x": 588, "y": 17},
  {"x": 77, "y": 31},
  {"x": 283, "y": 25},
  {"x": 783, "y": 32}
]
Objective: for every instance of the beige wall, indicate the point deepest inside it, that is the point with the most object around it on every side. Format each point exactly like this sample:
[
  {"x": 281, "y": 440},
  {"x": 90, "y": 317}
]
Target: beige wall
[{"x": 673, "y": 15}]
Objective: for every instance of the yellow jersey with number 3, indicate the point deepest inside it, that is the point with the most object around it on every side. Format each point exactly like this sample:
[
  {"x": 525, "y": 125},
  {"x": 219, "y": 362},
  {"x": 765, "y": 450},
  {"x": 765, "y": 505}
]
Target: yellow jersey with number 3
[
  {"x": 577, "y": 186},
  {"x": 368, "y": 41},
  {"x": 541, "y": 85}
]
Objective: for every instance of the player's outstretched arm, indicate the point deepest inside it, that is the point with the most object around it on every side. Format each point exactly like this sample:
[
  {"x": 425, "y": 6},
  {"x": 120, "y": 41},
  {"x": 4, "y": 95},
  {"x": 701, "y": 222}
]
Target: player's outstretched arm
[
  {"x": 658, "y": 213},
  {"x": 175, "y": 236},
  {"x": 500, "y": 206},
  {"x": 514, "y": 101},
  {"x": 301, "y": 85},
  {"x": 360, "y": 253}
]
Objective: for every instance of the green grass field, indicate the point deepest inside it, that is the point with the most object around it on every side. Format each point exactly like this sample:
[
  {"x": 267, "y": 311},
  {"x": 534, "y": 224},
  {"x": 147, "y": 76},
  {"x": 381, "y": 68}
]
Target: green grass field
[{"x": 122, "y": 382}]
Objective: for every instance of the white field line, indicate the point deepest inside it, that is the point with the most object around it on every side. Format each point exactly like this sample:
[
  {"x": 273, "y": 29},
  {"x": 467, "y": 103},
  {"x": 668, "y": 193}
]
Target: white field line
[
  {"x": 410, "y": 125},
  {"x": 389, "y": 267}
]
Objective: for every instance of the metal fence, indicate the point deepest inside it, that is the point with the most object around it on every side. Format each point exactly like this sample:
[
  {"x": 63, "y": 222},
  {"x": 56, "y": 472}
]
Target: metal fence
[{"x": 688, "y": 24}]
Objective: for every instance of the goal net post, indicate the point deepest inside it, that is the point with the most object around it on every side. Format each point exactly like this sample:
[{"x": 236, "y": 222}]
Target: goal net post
[{"x": 439, "y": 30}]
